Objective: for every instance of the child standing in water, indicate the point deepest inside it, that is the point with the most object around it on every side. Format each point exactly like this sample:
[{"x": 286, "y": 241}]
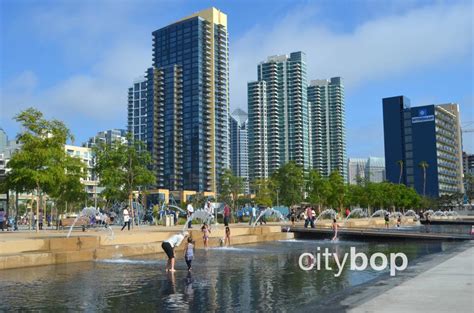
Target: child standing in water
[
  {"x": 227, "y": 236},
  {"x": 334, "y": 228},
  {"x": 387, "y": 220},
  {"x": 189, "y": 253},
  {"x": 206, "y": 231}
]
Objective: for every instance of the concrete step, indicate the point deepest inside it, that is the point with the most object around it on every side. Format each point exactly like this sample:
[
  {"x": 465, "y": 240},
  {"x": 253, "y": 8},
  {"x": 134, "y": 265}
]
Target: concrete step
[{"x": 26, "y": 259}]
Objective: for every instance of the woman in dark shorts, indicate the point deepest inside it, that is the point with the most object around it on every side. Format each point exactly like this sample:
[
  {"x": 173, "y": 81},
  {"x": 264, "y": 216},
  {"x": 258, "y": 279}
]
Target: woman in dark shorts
[
  {"x": 168, "y": 246},
  {"x": 293, "y": 217}
]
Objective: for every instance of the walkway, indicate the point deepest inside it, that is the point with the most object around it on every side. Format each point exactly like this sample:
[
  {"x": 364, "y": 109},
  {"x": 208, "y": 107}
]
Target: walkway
[{"x": 448, "y": 287}]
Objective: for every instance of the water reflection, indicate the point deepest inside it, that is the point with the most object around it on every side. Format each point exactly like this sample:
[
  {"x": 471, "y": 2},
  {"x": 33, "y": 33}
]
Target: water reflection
[{"x": 255, "y": 277}]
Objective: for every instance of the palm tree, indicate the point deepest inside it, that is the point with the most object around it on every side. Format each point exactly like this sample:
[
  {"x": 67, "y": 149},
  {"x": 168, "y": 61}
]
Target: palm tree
[
  {"x": 424, "y": 165},
  {"x": 400, "y": 163}
]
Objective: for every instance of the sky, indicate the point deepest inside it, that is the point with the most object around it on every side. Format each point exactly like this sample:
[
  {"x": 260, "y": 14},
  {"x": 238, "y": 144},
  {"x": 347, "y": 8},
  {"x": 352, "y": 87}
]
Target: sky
[{"x": 74, "y": 60}]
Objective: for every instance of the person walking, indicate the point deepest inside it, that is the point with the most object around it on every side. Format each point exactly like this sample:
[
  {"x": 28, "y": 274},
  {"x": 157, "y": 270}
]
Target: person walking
[
  {"x": 2, "y": 218},
  {"x": 40, "y": 220},
  {"x": 293, "y": 216},
  {"x": 253, "y": 214},
  {"x": 169, "y": 245},
  {"x": 226, "y": 215},
  {"x": 263, "y": 219},
  {"x": 208, "y": 207},
  {"x": 309, "y": 218},
  {"x": 126, "y": 218},
  {"x": 190, "y": 210}
]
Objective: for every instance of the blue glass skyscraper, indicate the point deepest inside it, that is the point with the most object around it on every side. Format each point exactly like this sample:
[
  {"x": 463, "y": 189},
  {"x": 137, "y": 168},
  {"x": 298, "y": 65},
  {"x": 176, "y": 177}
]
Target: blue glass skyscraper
[
  {"x": 423, "y": 146},
  {"x": 187, "y": 110}
]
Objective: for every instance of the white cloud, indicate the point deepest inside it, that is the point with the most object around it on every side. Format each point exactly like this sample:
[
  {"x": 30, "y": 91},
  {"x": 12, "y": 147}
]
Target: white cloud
[
  {"x": 119, "y": 50},
  {"x": 376, "y": 49},
  {"x": 106, "y": 52}
]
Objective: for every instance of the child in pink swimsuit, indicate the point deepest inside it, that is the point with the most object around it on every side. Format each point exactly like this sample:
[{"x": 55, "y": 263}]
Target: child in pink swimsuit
[{"x": 206, "y": 231}]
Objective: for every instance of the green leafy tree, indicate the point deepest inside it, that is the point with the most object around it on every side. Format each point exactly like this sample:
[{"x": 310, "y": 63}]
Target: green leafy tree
[
  {"x": 41, "y": 163},
  {"x": 289, "y": 180},
  {"x": 230, "y": 187},
  {"x": 469, "y": 186},
  {"x": 70, "y": 190},
  {"x": 318, "y": 189},
  {"x": 198, "y": 200},
  {"x": 263, "y": 192},
  {"x": 123, "y": 168},
  {"x": 337, "y": 191}
]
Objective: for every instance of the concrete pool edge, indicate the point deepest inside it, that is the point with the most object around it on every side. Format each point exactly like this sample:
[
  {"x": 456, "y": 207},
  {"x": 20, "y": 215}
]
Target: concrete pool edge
[{"x": 41, "y": 251}]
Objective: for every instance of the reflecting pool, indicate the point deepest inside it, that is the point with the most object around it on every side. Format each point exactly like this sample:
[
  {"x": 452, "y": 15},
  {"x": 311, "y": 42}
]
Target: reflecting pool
[{"x": 260, "y": 277}]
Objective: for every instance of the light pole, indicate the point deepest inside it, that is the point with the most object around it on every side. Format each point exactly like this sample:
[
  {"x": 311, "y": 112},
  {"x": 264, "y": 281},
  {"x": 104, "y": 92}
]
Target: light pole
[
  {"x": 278, "y": 201},
  {"x": 215, "y": 210},
  {"x": 95, "y": 195}
]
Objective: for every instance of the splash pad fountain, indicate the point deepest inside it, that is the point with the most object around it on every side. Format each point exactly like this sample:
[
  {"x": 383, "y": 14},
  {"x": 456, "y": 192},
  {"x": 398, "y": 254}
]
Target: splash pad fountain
[
  {"x": 380, "y": 212},
  {"x": 203, "y": 215},
  {"x": 412, "y": 213},
  {"x": 359, "y": 212},
  {"x": 332, "y": 213},
  {"x": 89, "y": 212},
  {"x": 267, "y": 213}
]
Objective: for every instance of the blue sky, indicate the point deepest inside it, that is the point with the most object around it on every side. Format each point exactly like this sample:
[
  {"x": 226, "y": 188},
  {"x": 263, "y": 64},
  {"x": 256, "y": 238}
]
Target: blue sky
[{"x": 74, "y": 60}]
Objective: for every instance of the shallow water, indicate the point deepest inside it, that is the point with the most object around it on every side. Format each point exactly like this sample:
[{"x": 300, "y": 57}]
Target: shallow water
[{"x": 260, "y": 277}]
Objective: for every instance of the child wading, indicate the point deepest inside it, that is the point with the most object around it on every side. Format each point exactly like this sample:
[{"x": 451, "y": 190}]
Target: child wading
[
  {"x": 206, "y": 231},
  {"x": 227, "y": 236},
  {"x": 189, "y": 252},
  {"x": 334, "y": 228}
]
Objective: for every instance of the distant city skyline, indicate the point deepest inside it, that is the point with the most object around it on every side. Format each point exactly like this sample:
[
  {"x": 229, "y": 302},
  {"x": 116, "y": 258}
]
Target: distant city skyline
[{"x": 76, "y": 60}]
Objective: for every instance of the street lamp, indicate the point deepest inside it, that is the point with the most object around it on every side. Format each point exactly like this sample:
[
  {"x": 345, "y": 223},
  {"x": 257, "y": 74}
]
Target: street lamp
[{"x": 278, "y": 201}]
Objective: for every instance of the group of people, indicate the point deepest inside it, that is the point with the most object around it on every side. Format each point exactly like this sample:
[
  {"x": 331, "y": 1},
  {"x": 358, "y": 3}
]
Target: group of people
[
  {"x": 309, "y": 219},
  {"x": 175, "y": 241},
  {"x": 387, "y": 220},
  {"x": 9, "y": 222},
  {"x": 3, "y": 218}
]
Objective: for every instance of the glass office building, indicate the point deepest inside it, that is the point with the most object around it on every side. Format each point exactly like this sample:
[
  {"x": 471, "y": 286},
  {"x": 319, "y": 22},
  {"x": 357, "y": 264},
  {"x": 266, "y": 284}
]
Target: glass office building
[
  {"x": 137, "y": 109},
  {"x": 187, "y": 103},
  {"x": 423, "y": 147},
  {"x": 257, "y": 129},
  {"x": 107, "y": 137},
  {"x": 328, "y": 130},
  {"x": 371, "y": 169},
  {"x": 286, "y": 115},
  {"x": 239, "y": 146}
]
